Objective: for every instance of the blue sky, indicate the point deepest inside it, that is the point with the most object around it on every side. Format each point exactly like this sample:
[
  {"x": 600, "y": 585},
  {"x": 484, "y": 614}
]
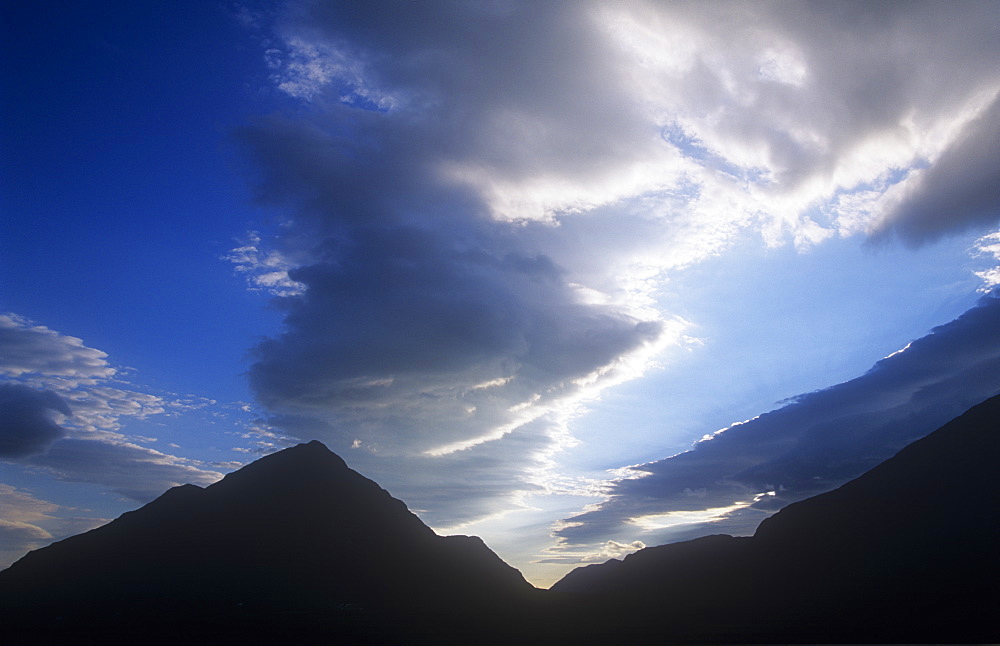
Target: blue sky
[{"x": 507, "y": 259}]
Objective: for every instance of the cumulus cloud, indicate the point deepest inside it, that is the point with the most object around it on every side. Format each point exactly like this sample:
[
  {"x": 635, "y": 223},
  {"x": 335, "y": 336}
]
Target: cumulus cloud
[
  {"x": 480, "y": 201},
  {"x": 735, "y": 477}
]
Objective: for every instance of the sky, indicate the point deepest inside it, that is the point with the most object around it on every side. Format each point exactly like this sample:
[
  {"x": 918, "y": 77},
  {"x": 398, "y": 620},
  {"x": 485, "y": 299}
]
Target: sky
[{"x": 576, "y": 277}]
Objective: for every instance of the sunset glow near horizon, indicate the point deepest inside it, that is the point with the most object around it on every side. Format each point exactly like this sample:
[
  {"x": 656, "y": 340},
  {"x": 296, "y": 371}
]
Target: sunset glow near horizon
[{"x": 575, "y": 277}]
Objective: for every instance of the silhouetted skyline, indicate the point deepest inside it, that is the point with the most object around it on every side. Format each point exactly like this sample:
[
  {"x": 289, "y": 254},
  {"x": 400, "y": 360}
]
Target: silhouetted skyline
[
  {"x": 515, "y": 261},
  {"x": 298, "y": 547}
]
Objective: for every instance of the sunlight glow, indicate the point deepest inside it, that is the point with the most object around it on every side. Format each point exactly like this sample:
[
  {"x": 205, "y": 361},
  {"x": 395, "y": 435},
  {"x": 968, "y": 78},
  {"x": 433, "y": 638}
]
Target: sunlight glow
[
  {"x": 652, "y": 522},
  {"x": 900, "y": 351}
]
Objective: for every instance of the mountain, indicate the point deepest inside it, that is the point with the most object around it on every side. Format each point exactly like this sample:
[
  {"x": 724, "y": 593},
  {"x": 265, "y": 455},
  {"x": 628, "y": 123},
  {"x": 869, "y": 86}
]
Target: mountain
[
  {"x": 298, "y": 548},
  {"x": 908, "y": 552},
  {"x": 294, "y": 544}
]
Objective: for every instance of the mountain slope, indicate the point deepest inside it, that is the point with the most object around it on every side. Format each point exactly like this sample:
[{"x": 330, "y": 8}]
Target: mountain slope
[
  {"x": 296, "y": 534},
  {"x": 906, "y": 552}
]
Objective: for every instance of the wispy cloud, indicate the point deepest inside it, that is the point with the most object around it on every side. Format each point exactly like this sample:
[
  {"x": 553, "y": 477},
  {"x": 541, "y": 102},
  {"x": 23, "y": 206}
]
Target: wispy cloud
[
  {"x": 135, "y": 472},
  {"x": 989, "y": 247},
  {"x": 27, "y": 522},
  {"x": 63, "y": 407},
  {"x": 30, "y": 349},
  {"x": 265, "y": 270}
]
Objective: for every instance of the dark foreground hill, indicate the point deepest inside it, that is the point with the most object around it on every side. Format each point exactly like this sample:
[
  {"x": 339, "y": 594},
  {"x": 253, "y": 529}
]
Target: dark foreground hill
[
  {"x": 293, "y": 548},
  {"x": 298, "y": 548},
  {"x": 908, "y": 552}
]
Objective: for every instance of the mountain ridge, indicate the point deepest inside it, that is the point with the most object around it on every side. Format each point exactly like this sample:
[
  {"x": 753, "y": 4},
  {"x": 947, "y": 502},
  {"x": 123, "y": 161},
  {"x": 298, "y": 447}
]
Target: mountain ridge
[{"x": 299, "y": 547}]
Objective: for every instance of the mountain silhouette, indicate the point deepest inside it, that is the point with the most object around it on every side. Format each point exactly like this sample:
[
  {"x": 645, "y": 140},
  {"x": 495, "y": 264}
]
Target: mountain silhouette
[
  {"x": 906, "y": 552},
  {"x": 298, "y": 548},
  {"x": 294, "y": 544}
]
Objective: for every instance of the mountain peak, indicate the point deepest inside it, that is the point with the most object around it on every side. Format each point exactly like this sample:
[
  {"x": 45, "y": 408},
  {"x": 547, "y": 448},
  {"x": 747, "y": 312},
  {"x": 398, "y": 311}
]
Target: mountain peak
[
  {"x": 314, "y": 450},
  {"x": 311, "y": 461}
]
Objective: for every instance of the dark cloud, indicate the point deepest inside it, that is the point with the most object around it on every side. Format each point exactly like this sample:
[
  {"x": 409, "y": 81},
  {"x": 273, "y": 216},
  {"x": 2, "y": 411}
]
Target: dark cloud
[
  {"x": 415, "y": 297},
  {"x": 960, "y": 191},
  {"x": 417, "y": 318},
  {"x": 26, "y": 424},
  {"x": 814, "y": 443}
]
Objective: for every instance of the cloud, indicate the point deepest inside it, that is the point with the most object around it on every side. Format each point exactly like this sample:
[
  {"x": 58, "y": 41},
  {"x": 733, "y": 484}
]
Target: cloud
[
  {"x": 989, "y": 246},
  {"x": 76, "y": 376},
  {"x": 264, "y": 270},
  {"x": 26, "y": 424},
  {"x": 28, "y": 349},
  {"x": 20, "y": 506},
  {"x": 27, "y": 523},
  {"x": 734, "y": 477},
  {"x": 961, "y": 190},
  {"x": 65, "y": 409},
  {"x": 13, "y": 531},
  {"x": 495, "y": 193},
  {"x": 402, "y": 327},
  {"x": 136, "y": 472},
  {"x": 77, "y": 381},
  {"x": 609, "y": 550}
]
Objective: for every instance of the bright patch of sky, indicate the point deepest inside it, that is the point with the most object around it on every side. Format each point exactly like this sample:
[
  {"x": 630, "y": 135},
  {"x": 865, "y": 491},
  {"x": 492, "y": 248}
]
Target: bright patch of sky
[{"x": 491, "y": 253}]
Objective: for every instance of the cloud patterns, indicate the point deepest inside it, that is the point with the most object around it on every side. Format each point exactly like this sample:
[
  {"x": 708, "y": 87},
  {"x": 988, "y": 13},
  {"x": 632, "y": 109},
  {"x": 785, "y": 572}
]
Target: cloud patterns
[
  {"x": 735, "y": 477},
  {"x": 62, "y": 409},
  {"x": 480, "y": 199}
]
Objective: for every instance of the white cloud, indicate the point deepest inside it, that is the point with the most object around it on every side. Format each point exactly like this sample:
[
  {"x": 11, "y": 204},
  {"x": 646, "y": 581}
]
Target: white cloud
[
  {"x": 37, "y": 357},
  {"x": 28, "y": 349},
  {"x": 99, "y": 397},
  {"x": 670, "y": 519},
  {"x": 599, "y": 553},
  {"x": 989, "y": 246},
  {"x": 264, "y": 270}
]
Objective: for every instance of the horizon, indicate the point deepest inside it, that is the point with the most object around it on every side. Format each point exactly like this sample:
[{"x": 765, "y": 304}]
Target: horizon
[{"x": 576, "y": 278}]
